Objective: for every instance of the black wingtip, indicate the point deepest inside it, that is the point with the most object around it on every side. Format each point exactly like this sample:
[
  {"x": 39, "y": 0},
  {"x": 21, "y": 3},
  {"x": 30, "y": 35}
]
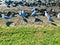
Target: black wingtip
[
  {"x": 8, "y": 23},
  {"x": 54, "y": 24}
]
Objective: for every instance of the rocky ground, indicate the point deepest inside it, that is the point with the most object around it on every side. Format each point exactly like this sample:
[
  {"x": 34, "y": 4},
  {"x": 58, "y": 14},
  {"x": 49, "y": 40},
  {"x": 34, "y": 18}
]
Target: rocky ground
[{"x": 18, "y": 21}]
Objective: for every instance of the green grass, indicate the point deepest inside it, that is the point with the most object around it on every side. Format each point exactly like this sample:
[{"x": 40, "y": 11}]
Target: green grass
[{"x": 31, "y": 35}]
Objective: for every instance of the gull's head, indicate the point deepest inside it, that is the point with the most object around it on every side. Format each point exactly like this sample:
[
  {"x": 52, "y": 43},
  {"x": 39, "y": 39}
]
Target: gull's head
[
  {"x": 34, "y": 8},
  {"x": 45, "y": 11},
  {"x": 2, "y": 14},
  {"x": 22, "y": 10}
]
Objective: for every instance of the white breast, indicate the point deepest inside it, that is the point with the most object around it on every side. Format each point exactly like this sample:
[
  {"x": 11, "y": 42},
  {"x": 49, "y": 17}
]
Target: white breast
[{"x": 58, "y": 16}]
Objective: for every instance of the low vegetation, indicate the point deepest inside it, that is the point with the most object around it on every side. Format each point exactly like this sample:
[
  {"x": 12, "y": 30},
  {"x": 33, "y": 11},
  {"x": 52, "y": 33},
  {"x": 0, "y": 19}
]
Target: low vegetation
[{"x": 30, "y": 35}]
